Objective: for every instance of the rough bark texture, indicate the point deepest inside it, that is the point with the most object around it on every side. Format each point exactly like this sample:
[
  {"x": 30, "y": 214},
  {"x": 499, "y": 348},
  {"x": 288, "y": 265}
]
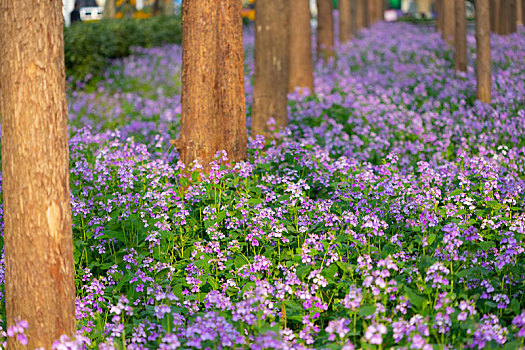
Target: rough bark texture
[
  {"x": 270, "y": 84},
  {"x": 110, "y": 9},
  {"x": 483, "y": 60},
  {"x": 460, "y": 56},
  {"x": 449, "y": 21},
  {"x": 39, "y": 276},
  {"x": 213, "y": 102},
  {"x": 300, "y": 47},
  {"x": 325, "y": 29},
  {"x": 345, "y": 21}
]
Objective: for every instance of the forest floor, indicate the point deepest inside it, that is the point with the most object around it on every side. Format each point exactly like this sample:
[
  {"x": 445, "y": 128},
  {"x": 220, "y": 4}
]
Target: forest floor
[{"x": 389, "y": 214}]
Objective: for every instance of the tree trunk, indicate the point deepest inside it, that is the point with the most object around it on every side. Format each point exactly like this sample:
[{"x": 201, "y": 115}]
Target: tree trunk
[
  {"x": 366, "y": 18},
  {"x": 513, "y": 15},
  {"x": 110, "y": 9},
  {"x": 460, "y": 57},
  {"x": 519, "y": 12},
  {"x": 449, "y": 22},
  {"x": 213, "y": 103},
  {"x": 39, "y": 269},
  {"x": 354, "y": 9},
  {"x": 360, "y": 14},
  {"x": 168, "y": 9},
  {"x": 439, "y": 19},
  {"x": 300, "y": 48},
  {"x": 270, "y": 83},
  {"x": 483, "y": 60},
  {"x": 345, "y": 21},
  {"x": 325, "y": 29},
  {"x": 156, "y": 8}
]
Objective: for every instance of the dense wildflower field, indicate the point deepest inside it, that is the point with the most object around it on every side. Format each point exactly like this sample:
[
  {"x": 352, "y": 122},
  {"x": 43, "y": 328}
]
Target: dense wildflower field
[{"x": 390, "y": 214}]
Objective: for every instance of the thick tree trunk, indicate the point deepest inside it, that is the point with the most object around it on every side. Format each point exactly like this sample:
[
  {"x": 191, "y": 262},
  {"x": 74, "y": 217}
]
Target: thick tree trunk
[
  {"x": 300, "y": 48},
  {"x": 270, "y": 84},
  {"x": 213, "y": 101},
  {"x": 460, "y": 56},
  {"x": 39, "y": 275},
  {"x": 483, "y": 61},
  {"x": 449, "y": 21},
  {"x": 325, "y": 29},
  {"x": 110, "y": 9},
  {"x": 354, "y": 9},
  {"x": 345, "y": 21}
]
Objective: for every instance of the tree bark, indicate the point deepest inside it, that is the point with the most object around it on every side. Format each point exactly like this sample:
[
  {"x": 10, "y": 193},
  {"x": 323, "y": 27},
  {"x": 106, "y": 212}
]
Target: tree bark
[
  {"x": 483, "y": 61},
  {"x": 439, "y": 19},
  {"x": 449, "y": 22},
  {"x": 519, "y": 12},
  {"x": 325, "y": 29},
  {"x": 39, "y": 275},
  {"x": 460, "y": 57},
  {"x": 110, "y": 9},
  {"x": 345, "y": 21},
  {"x": 213, "y": 103},
  {"x": 360, "y": 14},
  {"x": 300, "y": 48},
  {"x": 354, "y": 9},
  {"x": 366, "y": 18},
  {"x": 513, "y": 16},
  {"x": 270, "y": 83}
]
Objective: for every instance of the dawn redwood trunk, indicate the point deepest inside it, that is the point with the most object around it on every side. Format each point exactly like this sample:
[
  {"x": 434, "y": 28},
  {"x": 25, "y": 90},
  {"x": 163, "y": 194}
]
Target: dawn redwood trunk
[
  {"x": 439, "y": 19},
  {"x": 366, "y": 17},
  {"x": 325, "y": 29},
  {"x": 483, "y": 61},
  {"x": 39, "y": 268},
  {"x": 213, "y": 114},
  {"x": 449, "y": 21},
  {"x": 270, "y": 82},
  {"x": 460, "y": 42},
  {"x": 360, "y": 15},
  {"x": 345, "y": 21},
  {"x": 110, "y": 9},
  {"x": 513, "y": 16},
  {"x": 301, "y": 66}
]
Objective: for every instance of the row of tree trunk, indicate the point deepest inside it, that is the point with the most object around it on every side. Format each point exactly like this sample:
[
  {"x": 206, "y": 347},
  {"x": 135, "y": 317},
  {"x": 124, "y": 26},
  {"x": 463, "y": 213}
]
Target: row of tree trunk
[
  {"x": 39, "y": 277},
  {"x": 498, "y": 16}
]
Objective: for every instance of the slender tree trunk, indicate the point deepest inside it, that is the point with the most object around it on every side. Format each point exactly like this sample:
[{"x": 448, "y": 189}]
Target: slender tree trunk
[
  {"x": 504, "y": 16},
  {"x": 110, "y": 9},
  {"x": 523, "y": 12},
  {"x": 460, "y": 57},
  {"x": 39, "y": 269},
  {"x": 493, "y": 12},
  {"x": 360, "y": 14},
  {"x": 156, "y": 8},
  {"x": 325, "y": 29},
  {"x": 513, "y": 16},
  {"x": 213, "y": 101},
  {"x": 270, "y": 84},
  {"x": 168, "y": 9},
  {"x": 366, "y": 17},
  {"x": 449, "y": 22},
  {"x": 483, "y": 61},
  {"x": 345, "y": 21},
  {"x": 519, "y": 12},
  {"x": 439, "y": 19},
  {"x": 300, "y": 48},
  {"x": 354, "y": 13}
]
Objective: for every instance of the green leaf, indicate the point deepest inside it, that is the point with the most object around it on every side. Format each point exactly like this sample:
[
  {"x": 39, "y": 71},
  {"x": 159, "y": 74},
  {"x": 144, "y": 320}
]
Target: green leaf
[
  {"x": 455, "y": 192},
  {"x": 431, "y": 238},
  {"x": 416, "y": 299},
  {"x": 367, "y": 310}
]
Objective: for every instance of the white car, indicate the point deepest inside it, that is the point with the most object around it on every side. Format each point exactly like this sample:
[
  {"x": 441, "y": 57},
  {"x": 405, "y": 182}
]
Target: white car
[{"x": 91, "y": 13}]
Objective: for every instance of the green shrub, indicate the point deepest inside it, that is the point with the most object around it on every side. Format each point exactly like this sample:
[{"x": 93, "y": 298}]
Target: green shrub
[{"x": 90, "y": 46}]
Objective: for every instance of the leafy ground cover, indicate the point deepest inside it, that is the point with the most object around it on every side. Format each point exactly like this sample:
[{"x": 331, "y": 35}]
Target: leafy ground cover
[{"x": 389, "y": 214}]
